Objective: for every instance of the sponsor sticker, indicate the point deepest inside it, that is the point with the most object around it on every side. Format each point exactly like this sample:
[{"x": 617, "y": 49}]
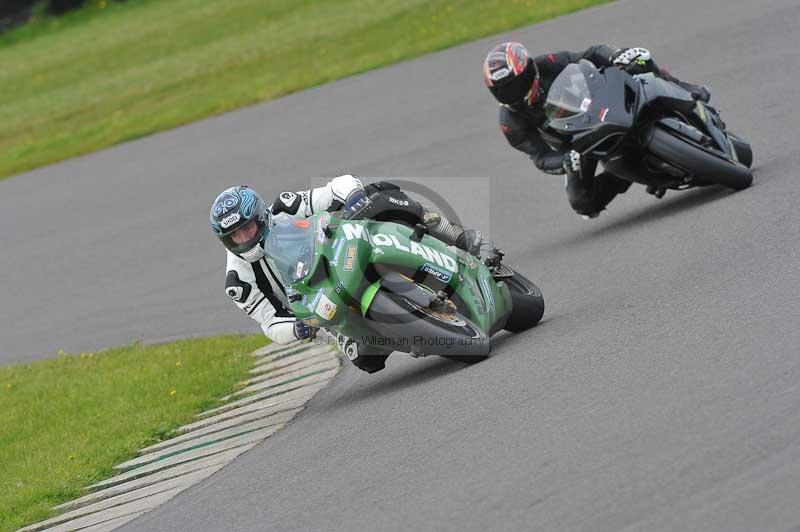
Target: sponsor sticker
[
  {"x": 350, "y": 258},
  {"x": 585, "y": 104},
  {"x": 230, "y": 220},
  {"x": 326, "y": 308},
  {"x": 402, "y": 203},
  {"x": 298, "y": 271},
  {"x": 323, "y": 223},
  {"x": 603, "y": 114},
  {"x": 488, "y": 291},
  {"x": 338, "y": 246},
  {"x": 314, "y": 301},
  {"x": 443, "y": 260},
  {"x": 500, "y": 74},
  {"x": 443, "y": 276}
]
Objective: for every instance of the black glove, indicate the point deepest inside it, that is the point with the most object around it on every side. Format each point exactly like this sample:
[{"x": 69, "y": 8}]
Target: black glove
[
  {"x": 633, "y": 60},
  {"x": 303, "y": 331},
  {"x": 701, "y": 92},
  {"x": 628, "y": 56}
]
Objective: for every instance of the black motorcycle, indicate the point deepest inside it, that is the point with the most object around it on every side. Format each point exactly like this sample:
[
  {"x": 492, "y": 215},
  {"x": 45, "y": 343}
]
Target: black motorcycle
[{"x": 644, "y": 129}]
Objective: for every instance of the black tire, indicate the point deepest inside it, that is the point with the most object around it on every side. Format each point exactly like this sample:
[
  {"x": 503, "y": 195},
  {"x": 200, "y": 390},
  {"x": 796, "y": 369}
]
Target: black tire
[
  {"x": 743, "y": 150},
  {"x": 704, "y": 165},
  {"x": 527, "y": 304},
  {"x": 415, "y": 328}
]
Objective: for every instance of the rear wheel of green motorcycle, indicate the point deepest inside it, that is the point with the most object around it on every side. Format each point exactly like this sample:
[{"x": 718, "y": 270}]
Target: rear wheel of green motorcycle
[
  {"x": 411, "y": 327},
  {"x": 527, "y": 303}
]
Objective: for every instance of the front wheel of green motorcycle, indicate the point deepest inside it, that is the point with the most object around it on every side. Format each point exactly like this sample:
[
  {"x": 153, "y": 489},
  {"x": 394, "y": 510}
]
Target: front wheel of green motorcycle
[
  {"x": 413, "y": 328},
  {"x": 527, "y": 303}
]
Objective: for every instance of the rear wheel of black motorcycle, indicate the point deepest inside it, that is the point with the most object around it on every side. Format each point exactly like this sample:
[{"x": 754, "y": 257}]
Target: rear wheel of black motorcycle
[
  {"x": 705, "y": 166},
  {"x": 414, "y": 328},
  {"x": 527, "y": 303}
]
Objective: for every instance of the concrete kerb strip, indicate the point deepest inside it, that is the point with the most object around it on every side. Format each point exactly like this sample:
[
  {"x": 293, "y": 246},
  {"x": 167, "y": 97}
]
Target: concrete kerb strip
[
  {"x": 276, "y": 415},
  {"x": 285, "y": 363},
  {"x": 201, "y": 448},
  {"x": 319, "y": 367},
  {"x": 188, "y": 456},
  {"x": 107, "y": 526},
  {"x": 270, "y": 405},
  {"x": 219, "y": 459},
  {"x": 284, "y": 374},
  {"x": 137, "y": 506},
  {"x": 129, "y": 496},
  {"x": 272, "y": 392},
  {"x": 263, "y": 355},
  {"x": 202, "y": 440}
]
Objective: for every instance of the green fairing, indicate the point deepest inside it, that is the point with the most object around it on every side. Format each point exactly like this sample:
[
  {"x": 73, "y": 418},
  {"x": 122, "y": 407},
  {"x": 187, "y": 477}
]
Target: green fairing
[
  {"x": 348, "y": 258},
  {"x": 369, "y": 295}
]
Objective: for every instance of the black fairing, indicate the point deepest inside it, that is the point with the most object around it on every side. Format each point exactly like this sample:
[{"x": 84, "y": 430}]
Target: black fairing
[
  {"x": 661, "y": 94},
  {"x": 611, "y": 113},
  {"x": 628, "y": 122}
]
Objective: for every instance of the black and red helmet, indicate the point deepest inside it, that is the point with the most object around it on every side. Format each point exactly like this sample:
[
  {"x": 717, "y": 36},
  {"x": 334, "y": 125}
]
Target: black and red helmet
[{"x": 511, "y": 74}]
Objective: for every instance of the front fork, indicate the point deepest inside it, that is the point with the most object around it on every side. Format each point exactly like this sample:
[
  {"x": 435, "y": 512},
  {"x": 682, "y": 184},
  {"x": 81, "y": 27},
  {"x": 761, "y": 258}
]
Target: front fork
[{"x": 714, "y": 127}]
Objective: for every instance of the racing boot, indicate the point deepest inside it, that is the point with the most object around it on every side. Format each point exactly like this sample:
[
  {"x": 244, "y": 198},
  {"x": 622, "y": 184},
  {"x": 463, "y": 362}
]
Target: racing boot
[
  {"x": 364, "y": 357},
  {"x": 470, "y": 240},
  {"x": 658, "y": 192}
]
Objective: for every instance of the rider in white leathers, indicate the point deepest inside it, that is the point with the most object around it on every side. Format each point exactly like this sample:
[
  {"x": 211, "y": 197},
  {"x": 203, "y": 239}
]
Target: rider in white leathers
[
  {"x": 241, "y": 220},
  {"x": 255, "y": 288}
]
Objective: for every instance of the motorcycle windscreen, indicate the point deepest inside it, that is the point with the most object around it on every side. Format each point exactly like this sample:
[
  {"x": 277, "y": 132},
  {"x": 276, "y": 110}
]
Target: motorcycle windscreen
[
  {"x": 569, "y": 95},
  {"x": 290, "y": 249}
]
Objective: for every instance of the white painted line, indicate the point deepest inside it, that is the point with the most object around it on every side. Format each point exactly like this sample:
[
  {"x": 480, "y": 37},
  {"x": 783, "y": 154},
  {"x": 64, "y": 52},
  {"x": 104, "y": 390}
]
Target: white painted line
[
  {"x": 327, "y": 364},
  {"x": 219, "y": 459},
  {"x": 207, "y": 439},
  {"x": 271, "y": 405},
  {"x": 272, "y": 392}
]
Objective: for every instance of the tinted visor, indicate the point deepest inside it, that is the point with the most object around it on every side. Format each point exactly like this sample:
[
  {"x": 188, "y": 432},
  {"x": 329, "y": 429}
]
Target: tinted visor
[
  {"x": 514, "y": 90},
  {"x": 245, "y": 237}
]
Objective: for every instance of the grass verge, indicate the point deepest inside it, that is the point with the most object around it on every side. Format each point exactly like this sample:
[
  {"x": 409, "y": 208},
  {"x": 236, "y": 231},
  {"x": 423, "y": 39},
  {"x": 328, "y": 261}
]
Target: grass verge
[
  {"x": 89, "y": 80},
  {"x": 65, "y": 422}
]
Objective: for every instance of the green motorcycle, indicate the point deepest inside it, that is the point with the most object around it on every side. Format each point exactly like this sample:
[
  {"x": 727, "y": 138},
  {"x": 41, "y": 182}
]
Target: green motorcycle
[{"x": 395, "y": 288}]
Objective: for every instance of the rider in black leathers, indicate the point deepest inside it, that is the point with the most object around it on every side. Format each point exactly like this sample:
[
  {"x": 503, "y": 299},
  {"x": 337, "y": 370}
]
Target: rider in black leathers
[{"x": 520, "y": 83}]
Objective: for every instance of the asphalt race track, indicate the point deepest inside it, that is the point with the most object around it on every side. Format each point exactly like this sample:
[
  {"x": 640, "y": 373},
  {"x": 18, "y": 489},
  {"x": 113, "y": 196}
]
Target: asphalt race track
[{"x": 659, "y": 393}]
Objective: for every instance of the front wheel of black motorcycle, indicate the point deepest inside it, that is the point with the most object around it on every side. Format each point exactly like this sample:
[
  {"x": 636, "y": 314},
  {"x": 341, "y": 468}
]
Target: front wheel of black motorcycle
[
  {"x": 408, "y": 327},
  {"x": 527, "y": 303},
  {"x": 706, "y": 167},
  {"x": 744, "y": 152}
]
